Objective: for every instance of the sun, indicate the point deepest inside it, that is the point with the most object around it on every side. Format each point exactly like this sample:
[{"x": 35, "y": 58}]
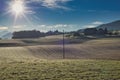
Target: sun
[
  {"x": 18, "y": 7},
  {"x": 19, "y": 10}
]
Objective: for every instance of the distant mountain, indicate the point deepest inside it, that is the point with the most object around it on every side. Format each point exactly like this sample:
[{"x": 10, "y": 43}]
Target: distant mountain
[
  {"x": 111, "y": 26},
  {"x": 5, "y": 35}
]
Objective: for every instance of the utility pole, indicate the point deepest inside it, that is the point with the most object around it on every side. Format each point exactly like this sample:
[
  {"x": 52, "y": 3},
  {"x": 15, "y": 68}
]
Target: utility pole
[{"x": 63, "y": 44}]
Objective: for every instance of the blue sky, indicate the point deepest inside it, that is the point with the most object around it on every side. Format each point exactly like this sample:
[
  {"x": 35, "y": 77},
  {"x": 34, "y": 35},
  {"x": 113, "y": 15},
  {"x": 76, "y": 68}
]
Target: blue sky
[{"x": 70, "y": 15}]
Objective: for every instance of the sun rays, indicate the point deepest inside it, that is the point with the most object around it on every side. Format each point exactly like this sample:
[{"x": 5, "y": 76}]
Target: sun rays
[{"x": 18, "y": 7}]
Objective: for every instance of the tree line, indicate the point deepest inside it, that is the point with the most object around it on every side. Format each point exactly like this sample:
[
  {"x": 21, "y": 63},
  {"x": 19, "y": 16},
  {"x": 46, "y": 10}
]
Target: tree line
[
  {"x": 100, "y": 31},
  {"x": 95, "y": 31},
  {"x": 33, "y": 34}
]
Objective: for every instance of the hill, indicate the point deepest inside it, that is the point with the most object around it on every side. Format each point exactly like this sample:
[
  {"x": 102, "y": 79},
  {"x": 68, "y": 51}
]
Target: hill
[
  {"x": 51, "y": 48},
  {"x": 111, "y": 26},
  {"x": 97, "y": 59}
]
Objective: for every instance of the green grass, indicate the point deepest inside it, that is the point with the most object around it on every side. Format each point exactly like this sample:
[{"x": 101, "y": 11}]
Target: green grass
[
  {"x": 61, "y": 70},
  {"x": 92, "y": 60}
]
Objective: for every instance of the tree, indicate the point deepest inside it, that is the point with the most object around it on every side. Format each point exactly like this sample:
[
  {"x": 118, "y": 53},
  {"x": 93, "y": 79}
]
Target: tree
[
  {"x": 90, "y": 31},
  {"x": 116, "y": 33},
  {"x": 105, "y": 31},
  {"x": 110, "y": 33},
  {"x": 27, "y": 34},
  {"x": 101, "y": 31},
  {"x": 76, "y": 34}
]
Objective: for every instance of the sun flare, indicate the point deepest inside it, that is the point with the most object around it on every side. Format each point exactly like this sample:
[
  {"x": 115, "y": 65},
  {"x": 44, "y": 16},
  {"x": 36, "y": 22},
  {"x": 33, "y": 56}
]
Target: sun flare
[
  {"x": 19, "y": 10},
  {"x": 18, "y": 7}
]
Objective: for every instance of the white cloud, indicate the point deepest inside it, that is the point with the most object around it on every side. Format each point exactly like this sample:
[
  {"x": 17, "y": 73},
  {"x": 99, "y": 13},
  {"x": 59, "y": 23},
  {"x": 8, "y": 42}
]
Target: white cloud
[
  {"x": 17, "y": 27},
  {"x": 30, "y": 12},
  {"x": 89, "y": 26},
  {"x": 41, "y": 26},
  {"x": 61, "y": 26},
  {"x": 46, "y": 28},
  {"x": 3, "y": 28},
  {"x": 52, "y": 3},
  {"x": 93, "y": 24},
  {"x": 97, "y": 23},
  {"x": 56, "y": 26}
]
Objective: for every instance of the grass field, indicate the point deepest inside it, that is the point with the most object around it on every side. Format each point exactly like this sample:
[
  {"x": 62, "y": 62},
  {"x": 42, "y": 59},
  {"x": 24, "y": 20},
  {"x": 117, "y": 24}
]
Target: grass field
[
  {"x": 61, "y": 70},
  {"x": 33, "y": 59}
]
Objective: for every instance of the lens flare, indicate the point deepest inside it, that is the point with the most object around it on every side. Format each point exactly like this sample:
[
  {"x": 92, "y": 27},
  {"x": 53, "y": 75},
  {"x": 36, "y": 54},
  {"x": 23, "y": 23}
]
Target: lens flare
[
  {"x": 18, "y": 7},
  {"x": 20, "y": 11}
]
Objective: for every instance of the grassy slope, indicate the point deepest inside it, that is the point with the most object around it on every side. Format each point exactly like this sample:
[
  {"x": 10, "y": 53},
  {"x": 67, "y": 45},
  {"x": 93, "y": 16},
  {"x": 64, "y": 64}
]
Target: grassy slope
[
  {"x": 61, "y": 70},
  {"x": 108, "y": 48},
  {"x": 28, "y": 62}
]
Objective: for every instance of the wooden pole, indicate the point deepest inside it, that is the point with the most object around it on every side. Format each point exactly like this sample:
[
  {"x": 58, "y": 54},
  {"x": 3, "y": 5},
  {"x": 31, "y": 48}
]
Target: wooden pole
[{"x": 63, "y": 44}]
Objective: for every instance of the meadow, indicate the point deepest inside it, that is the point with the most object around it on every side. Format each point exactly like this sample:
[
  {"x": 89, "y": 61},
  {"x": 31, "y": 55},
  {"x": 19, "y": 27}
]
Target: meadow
[{"x": 41, "y": 59}]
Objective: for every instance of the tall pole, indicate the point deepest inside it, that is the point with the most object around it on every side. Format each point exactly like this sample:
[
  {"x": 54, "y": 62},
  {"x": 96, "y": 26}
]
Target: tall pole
[{"x": 63, "y": 44}]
